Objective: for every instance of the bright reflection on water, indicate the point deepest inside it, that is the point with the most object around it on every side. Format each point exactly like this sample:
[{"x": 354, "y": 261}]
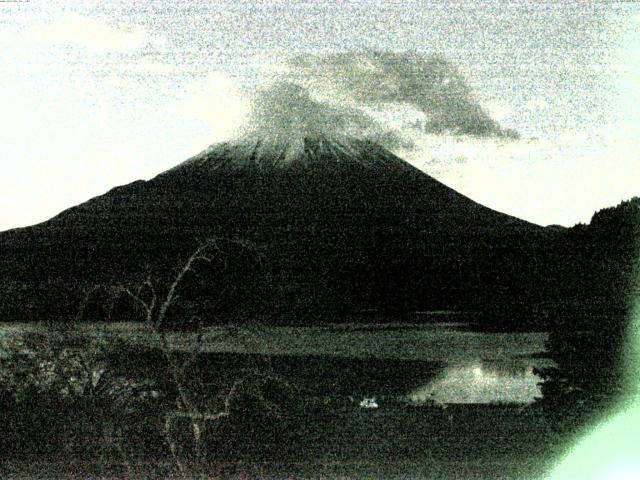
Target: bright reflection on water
[{"x": 481, "y": 382}]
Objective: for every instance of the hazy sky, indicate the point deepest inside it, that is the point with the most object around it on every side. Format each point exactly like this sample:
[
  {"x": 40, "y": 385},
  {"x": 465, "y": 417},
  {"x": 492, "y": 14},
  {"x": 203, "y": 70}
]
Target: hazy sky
[{"x": 97, "y": 94}]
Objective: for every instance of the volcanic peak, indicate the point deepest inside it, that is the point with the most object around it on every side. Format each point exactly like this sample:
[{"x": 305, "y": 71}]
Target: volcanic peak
[{"x": 316, "y": 151}]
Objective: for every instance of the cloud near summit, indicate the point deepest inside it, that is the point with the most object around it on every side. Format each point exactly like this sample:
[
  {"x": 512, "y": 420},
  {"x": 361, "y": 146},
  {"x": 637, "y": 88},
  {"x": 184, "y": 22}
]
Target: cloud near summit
[
  {"x": 392, "y": 98},
  {"x": 287, "y": 110},
  {"x": 419, "y": 107},
  {"x": 429, "y": 85}
]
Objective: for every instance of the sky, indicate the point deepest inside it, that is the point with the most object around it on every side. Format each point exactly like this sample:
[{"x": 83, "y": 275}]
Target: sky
[{"x": 530, "y": 108}]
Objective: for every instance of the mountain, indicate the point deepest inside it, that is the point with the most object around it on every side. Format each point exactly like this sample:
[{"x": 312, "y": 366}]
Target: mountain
[{"x": 342, "y": 225}]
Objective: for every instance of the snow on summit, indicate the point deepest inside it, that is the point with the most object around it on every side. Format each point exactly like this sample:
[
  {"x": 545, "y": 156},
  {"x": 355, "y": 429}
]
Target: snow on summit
[{"x": 288, "y": 125}]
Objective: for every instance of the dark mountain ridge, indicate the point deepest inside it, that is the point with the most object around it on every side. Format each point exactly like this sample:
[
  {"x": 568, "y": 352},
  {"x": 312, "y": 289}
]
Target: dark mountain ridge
[{"x": 343, "y": 226}]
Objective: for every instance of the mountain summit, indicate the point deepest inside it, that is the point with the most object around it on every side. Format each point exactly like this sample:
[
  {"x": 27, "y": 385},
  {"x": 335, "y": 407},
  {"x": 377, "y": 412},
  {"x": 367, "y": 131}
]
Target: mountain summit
[{"x": 316, "y": 151}]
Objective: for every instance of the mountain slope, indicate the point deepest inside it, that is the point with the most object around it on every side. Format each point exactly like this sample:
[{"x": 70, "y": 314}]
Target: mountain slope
[{"x": 344, "y": 225}]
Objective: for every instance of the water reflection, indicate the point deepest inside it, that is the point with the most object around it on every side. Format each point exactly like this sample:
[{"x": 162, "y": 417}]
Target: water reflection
[{"x": 481, "y": 382}]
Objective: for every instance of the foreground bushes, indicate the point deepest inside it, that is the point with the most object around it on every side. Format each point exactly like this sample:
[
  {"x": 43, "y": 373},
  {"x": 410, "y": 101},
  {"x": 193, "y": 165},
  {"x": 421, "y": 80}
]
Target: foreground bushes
[
  {"x": 58, "y": 395},
  {"x": 67, "y": 393}
]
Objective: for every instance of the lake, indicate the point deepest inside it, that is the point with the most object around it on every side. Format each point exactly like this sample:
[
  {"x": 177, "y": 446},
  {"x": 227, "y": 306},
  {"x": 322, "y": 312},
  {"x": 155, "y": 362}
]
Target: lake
[{"x": 436, "y": 362}]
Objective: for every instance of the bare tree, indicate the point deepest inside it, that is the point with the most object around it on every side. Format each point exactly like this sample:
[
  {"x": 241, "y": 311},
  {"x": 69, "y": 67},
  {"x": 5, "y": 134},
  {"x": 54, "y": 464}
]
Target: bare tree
[
  {"x": 161, "y": 304},
  {"x": 156, "y": 306}
]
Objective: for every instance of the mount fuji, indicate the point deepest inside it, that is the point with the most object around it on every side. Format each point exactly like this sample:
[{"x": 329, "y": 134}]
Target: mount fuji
[{"x": 343, "y": 225}]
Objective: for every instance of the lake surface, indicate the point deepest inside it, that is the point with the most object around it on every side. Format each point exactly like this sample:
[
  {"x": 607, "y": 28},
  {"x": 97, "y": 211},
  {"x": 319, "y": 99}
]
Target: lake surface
[
  {"x": 449, "y": 342},
  {"x": 472, "y": 366}
]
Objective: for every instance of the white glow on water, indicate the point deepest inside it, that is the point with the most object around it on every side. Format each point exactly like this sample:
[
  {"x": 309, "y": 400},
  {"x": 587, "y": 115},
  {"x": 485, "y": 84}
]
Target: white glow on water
[{"x": 478, "y": 383}]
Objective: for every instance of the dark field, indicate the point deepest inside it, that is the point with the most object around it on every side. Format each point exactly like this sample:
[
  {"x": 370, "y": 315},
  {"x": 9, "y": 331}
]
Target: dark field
[{"x": 464, "y": 442}]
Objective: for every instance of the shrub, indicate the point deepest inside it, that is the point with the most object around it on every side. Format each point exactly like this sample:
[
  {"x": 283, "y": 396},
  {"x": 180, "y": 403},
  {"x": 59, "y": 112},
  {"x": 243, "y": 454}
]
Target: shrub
[{"x": 58, "y": 395}]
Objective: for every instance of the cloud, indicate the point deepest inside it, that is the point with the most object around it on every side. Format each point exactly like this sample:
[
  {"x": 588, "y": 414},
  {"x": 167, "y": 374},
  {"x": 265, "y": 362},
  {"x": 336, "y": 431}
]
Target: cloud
[
  {"x": 278, "y": 111},
  {"x": 499, "y": 110},
  {"x": 218, "y": 102},
  {"x": 428, "y": 84},
  {"x": 93, "y": 34},
  {"x": 537, "y": 103},
  {"x": 396, "y": 99},
  {"x": 286, "y": 111},
  {"x": 149, "y": 67}
]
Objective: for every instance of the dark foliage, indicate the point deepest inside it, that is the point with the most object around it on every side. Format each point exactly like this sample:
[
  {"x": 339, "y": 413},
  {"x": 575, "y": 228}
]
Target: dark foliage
[{"x": 587, "y": 343}]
